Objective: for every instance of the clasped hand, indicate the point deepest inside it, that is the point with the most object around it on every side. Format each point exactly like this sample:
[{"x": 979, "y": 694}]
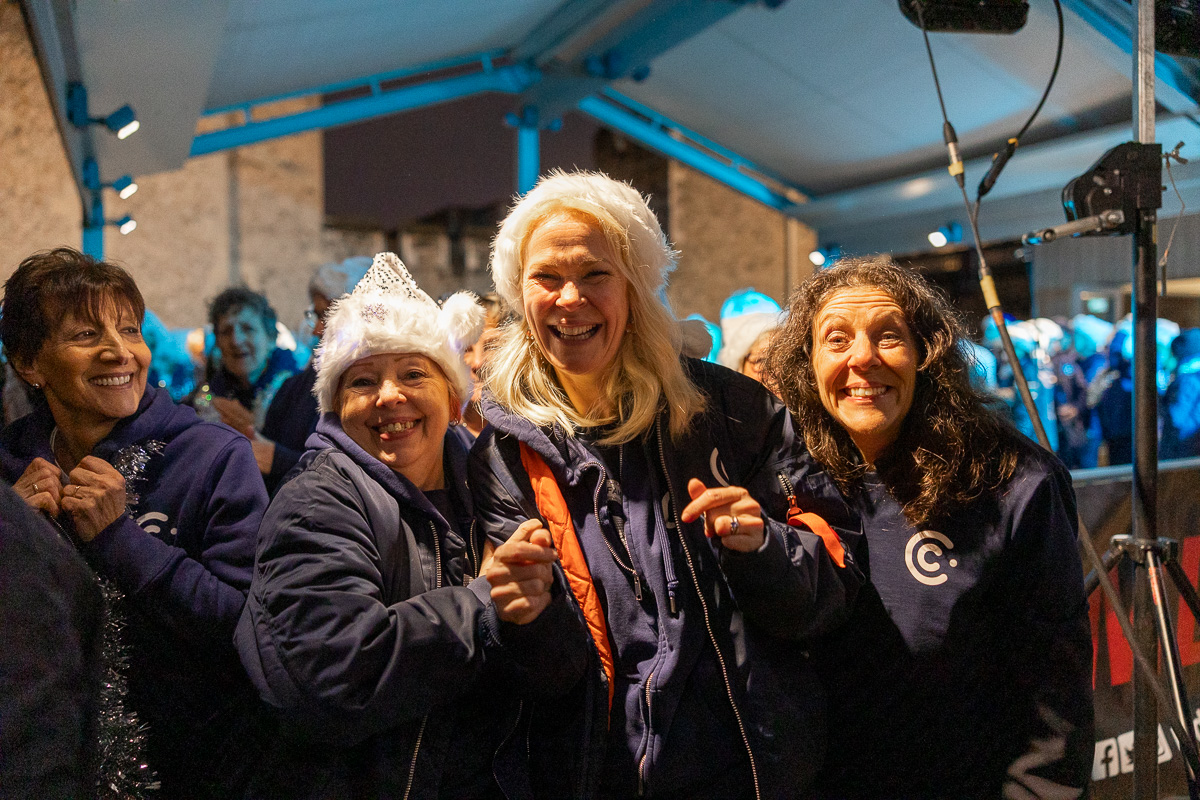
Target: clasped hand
[
  {"x": 94, "y": 498},
  {"x": 521, "y": 573}
]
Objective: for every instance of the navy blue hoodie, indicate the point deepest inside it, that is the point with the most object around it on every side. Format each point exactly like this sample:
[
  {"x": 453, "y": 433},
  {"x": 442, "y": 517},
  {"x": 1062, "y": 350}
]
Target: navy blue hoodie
[{"x": 183, "y": 556}]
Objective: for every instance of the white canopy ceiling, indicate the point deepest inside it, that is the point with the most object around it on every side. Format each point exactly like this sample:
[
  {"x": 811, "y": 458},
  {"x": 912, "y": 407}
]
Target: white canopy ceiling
[{"x": 831, "y": 99}]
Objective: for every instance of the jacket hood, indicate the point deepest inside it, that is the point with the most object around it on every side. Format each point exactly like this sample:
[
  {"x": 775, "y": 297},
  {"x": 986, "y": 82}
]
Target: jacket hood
[{"x": 561, "y": 452}]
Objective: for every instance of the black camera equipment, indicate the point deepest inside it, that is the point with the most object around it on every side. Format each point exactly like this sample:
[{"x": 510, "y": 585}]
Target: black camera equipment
[
  {"x": 1119, "y": 195},
  {"x": 967, "y": 16}
]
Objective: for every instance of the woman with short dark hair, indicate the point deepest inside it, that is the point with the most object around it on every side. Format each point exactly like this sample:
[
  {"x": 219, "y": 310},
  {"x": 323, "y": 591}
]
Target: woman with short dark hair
[
  {"x": 245, "y": 366},
  {"x": 164, "y": 507},
  {"x": 965, "y": 670}
]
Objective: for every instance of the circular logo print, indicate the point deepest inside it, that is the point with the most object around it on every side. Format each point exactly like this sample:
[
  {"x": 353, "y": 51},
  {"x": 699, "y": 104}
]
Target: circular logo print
[{"x": 920, "y": 554}]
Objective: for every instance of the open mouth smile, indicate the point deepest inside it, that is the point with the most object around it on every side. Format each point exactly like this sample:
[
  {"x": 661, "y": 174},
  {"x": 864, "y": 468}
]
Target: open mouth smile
[
  {"x": 574, "y": 333},
  {"x": 397, "y": 427},
  {"x": 866, "y": 391},
  {"x": 114, "y": 380}
]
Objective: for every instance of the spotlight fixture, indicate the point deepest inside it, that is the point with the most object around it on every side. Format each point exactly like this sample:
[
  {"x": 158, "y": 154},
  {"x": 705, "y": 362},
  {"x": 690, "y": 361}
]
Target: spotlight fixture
[
  {"x": 125, "y": 225},
  {"x": 123, "y": 186},
  {"x": 825, "y": 255},
  {"x": 949, "y": 233},
  {"x": 122, "y": 122}
]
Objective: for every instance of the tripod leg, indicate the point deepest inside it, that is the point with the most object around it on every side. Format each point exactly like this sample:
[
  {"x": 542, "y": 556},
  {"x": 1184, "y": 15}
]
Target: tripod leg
[
  {"x": 1111, "y": 557},
  {"x": 1170, "y": 647},
  {"x": 1184, "y": 585}
]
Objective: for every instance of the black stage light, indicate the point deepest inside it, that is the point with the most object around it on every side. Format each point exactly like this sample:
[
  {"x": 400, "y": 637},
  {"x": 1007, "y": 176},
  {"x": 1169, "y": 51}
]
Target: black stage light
[
  {"x": 968, "y": 16},
  {"x": 1177, "y": 27}
]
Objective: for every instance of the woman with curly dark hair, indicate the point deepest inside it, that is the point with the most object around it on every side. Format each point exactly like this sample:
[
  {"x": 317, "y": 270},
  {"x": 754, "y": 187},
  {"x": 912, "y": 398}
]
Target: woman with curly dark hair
[{"x": 965, "y": 670}]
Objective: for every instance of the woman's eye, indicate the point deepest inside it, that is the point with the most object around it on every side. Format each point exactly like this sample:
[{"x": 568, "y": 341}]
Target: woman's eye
[
  {"x": 414, "y": 375},
  {"x": 362, "y": 382},
  {"x": 836, "y": 339}
]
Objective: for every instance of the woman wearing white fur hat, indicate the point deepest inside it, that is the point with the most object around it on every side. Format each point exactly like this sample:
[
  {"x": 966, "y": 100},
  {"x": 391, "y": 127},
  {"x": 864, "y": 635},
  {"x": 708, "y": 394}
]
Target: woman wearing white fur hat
[
  {"x": 667, "y": 484},
  {"x": 367, "y": 626}
]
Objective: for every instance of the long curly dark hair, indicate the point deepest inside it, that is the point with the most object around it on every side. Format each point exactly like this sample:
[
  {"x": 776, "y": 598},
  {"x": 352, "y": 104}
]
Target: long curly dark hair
[{"x": 952, "y": 447}]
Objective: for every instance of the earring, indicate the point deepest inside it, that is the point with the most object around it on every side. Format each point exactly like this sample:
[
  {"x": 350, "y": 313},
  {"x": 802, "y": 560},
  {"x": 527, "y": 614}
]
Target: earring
[{"x": 37, "y": 386}]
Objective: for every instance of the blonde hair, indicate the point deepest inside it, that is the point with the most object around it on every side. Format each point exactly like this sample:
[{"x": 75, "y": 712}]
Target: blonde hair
[{"x": 647, "y": 373}]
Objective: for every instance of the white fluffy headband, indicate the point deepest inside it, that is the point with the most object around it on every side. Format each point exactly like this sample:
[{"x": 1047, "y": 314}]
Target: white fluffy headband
[
  {"x": 389, "y": 313},
  {"x": 595, "y": 193}
]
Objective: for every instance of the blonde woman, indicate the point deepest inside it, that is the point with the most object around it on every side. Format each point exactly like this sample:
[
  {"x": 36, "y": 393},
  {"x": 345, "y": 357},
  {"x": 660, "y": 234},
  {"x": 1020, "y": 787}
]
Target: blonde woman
[{"x": 666, "y": 483}]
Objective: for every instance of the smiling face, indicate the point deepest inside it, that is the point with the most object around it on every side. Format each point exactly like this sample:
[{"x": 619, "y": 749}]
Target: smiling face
[
  {"x": 576, "y": 302},
  {"x": 93, "y": 372},
  {"x": 244, "y": 342},
  {"x": 397, "y": 407},
  {"x": 865, "y": 363}
]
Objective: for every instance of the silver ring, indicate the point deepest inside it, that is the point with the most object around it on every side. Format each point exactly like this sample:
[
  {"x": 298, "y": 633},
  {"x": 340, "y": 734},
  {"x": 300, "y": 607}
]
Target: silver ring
[
  {"x": 734, "y": 524},
  {"x": 36, "y": 490}
]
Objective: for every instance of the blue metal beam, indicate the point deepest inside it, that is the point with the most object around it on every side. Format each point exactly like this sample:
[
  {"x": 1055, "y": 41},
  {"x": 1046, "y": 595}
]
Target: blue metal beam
[
  {"x": 93, "y": 226},
  {"x": 511, "y": 79},
  {"x": 661, "y": 140},
  {"x": 587, "y": 44},
  {"x": 528, "y": 157}
]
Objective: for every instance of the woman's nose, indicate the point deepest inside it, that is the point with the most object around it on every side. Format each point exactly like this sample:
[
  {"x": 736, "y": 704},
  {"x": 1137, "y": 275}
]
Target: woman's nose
[
  {"x": 863, "y": 353},
  {"x": 114, "y": 347},
  {"x": 390, "y": 394},
  {"x": 569, "y": 295}
]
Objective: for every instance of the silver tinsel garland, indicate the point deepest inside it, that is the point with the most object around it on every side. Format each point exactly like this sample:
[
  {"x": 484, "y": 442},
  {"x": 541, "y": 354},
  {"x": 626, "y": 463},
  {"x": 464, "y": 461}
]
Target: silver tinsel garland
[{"x": 122, "y": 771}]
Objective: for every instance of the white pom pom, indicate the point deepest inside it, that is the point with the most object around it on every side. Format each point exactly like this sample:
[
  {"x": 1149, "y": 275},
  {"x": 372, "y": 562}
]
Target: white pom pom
[{"x": 461, "y": 317}]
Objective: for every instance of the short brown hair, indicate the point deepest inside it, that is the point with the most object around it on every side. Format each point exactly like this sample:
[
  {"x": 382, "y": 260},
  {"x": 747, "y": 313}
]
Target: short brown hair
[{"x": 51, "y": 284}]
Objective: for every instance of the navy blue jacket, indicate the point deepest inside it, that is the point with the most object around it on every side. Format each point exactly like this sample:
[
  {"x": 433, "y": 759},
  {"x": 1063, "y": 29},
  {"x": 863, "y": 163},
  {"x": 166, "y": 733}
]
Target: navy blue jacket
[
  {"x": 360, "y": 631},
  {"x": 291, "y": 419},
  {"x": 966, "y": 666},
  {"x": 50, "y": 664},
  {"x": 752, "y": 610},
  {"x": 182, "y": 555}
]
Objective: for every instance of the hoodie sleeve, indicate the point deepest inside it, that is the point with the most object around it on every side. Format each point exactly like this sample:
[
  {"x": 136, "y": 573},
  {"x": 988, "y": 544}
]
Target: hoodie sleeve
[
  {"x": 319, "y": 638},
  {"x": 1050, "y": 652},
  {"x": 202, "y": 592}
]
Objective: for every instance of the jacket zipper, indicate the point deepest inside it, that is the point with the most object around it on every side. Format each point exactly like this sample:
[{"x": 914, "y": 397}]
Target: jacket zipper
[
  {"x": 412, "y": 766},
  {"x": 476, "y": 566},
  {"x": 642, "y": 761},
  {"x": 437, "y": 557},
  {"x": 793, "y": 507},
  {"x": 603, "y": 485},
  {"x": 437, "y": 584},
  {"x": 687, "y": 554}
]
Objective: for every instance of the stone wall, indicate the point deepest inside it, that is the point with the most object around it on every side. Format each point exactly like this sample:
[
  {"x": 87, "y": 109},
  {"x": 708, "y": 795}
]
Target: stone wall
[
  {"x": 727, "y": 242},
  {"x": 39, "y": 205}
]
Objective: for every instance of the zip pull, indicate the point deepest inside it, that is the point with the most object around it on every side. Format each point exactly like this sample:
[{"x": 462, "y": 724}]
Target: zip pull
[
  {"x": 793, "y": 512},
  {"x": 671, "y": 601},
  {"x": 637, "y": 587}
]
